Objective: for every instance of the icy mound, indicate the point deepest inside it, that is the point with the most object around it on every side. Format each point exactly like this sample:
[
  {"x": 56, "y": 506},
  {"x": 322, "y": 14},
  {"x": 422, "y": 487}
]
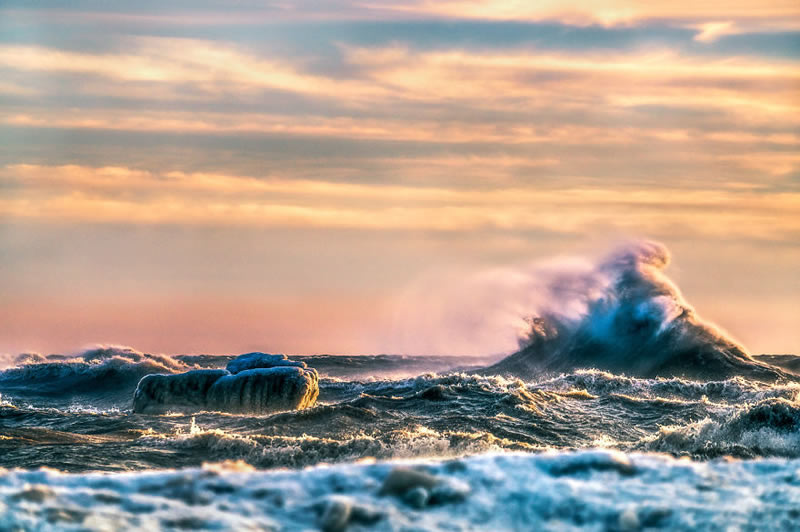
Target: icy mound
[
  {"x": 181, "y": 392},
  {"x": 265, "y": 390},
  {"x": 261, "y": 360},
  {"x": 273, "y": 384}
]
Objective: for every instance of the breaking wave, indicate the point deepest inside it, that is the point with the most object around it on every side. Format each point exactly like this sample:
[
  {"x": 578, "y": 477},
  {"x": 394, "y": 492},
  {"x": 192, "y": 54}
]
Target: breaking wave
[
  {"x": 770, "y": 427},
  {"x": 625, "y": 316},
  {"x": 103, "y": 373}
]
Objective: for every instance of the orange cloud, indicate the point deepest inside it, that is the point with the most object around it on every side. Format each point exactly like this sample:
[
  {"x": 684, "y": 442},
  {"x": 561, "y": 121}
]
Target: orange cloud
[
  {"x": 122, "y": 195},
  {"x": 421, "y": 130},
  {"x": 210, "y": 66},
  {"x": 498, "y": 80},
  {"x": 608, "y": 12},
  {"x": 508, "y": 79}
]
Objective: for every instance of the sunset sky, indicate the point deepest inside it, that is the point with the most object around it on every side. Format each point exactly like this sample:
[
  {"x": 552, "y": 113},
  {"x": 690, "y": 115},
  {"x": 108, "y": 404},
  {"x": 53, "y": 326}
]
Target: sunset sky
[{"x": 317, "y": 176}]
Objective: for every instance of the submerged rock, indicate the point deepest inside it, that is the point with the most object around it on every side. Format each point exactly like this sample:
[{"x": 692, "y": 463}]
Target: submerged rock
[
  {"x": 419, "y": 489},
  {"x": 417, "y": 497},
  {"x": 337, "y": 512},
  {"x": 336, "y": 515},
  {"x": 254, "y": 383},
  {"x": 401, "y": 480}
]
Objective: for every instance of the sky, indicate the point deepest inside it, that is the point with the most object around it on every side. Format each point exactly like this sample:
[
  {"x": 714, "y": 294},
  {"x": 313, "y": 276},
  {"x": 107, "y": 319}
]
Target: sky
[{"x": 325, "y": 176}]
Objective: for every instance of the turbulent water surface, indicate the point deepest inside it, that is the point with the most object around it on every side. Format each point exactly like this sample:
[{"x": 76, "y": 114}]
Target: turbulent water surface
[{"x": 631, "y": 413}]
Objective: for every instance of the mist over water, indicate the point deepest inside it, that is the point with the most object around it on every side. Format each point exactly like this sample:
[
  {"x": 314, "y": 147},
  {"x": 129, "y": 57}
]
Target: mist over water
[
  {"x": 488, "y": 311},
  {"x": 612, "y": 366}
]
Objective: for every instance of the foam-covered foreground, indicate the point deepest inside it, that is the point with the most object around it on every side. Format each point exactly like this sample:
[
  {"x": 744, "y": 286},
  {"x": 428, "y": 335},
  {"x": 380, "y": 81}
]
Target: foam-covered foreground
[
  {"x": 632, "y": 320},
  {"x": 588, "y": 490},
  {"x": 254, "y": 383}
]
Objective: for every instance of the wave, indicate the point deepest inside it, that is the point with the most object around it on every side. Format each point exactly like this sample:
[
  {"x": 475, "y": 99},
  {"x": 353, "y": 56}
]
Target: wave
[
  {"x": 106, "y": 372},
  {"x": 276, "y": 451},
  {"x": 110, "y": 374},
  {"x": 426, "y": 416},
  {"x": 766, "y": 428},
  {"x": 592, "y": 489},
  {"x": 790, "y": 363},
  {"x": 736, "y": 390},
  {"x": 632, "y": 320}
]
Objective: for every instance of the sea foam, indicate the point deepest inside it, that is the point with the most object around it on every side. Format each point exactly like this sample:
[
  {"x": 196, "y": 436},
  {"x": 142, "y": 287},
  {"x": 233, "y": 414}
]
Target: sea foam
[{"x": 593, "y": 489}]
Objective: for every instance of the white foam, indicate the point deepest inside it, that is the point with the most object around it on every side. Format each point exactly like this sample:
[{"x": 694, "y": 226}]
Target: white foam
[{"x": 594, "y": 490}]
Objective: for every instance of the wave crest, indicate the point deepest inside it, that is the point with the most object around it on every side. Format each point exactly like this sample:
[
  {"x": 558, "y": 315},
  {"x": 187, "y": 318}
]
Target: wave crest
[
  {"x": 766, "y": 428},
  {"x": 631, "y": 319},
  {"x": 109, "y": 371}
]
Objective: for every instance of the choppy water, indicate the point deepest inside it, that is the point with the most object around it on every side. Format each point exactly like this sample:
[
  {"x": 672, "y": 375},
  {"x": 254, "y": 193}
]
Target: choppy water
[
  {"x": 450, "y": 425},
  {"x": 634, "y": 415},
  {"x": 85, "y": 424}
]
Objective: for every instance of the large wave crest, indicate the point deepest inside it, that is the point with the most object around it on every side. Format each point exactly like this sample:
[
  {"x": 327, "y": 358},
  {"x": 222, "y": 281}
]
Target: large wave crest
[{"x": 625, "y": 316}]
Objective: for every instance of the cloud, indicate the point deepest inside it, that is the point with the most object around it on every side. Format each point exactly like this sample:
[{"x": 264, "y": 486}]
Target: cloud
[
  {"x": 211, "y": 67},
  {"x": 547, "y": 139},
  {"x": 609, "y": 12},
  {"x": 129, "y": 196},
  {"x": 492, "y": 80},
  {"x": 539, "y": 108},
  {"x": 397, "y": 129},
  {"x": 711, "y": 31},
  {"x": 598, "y": 80}
]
